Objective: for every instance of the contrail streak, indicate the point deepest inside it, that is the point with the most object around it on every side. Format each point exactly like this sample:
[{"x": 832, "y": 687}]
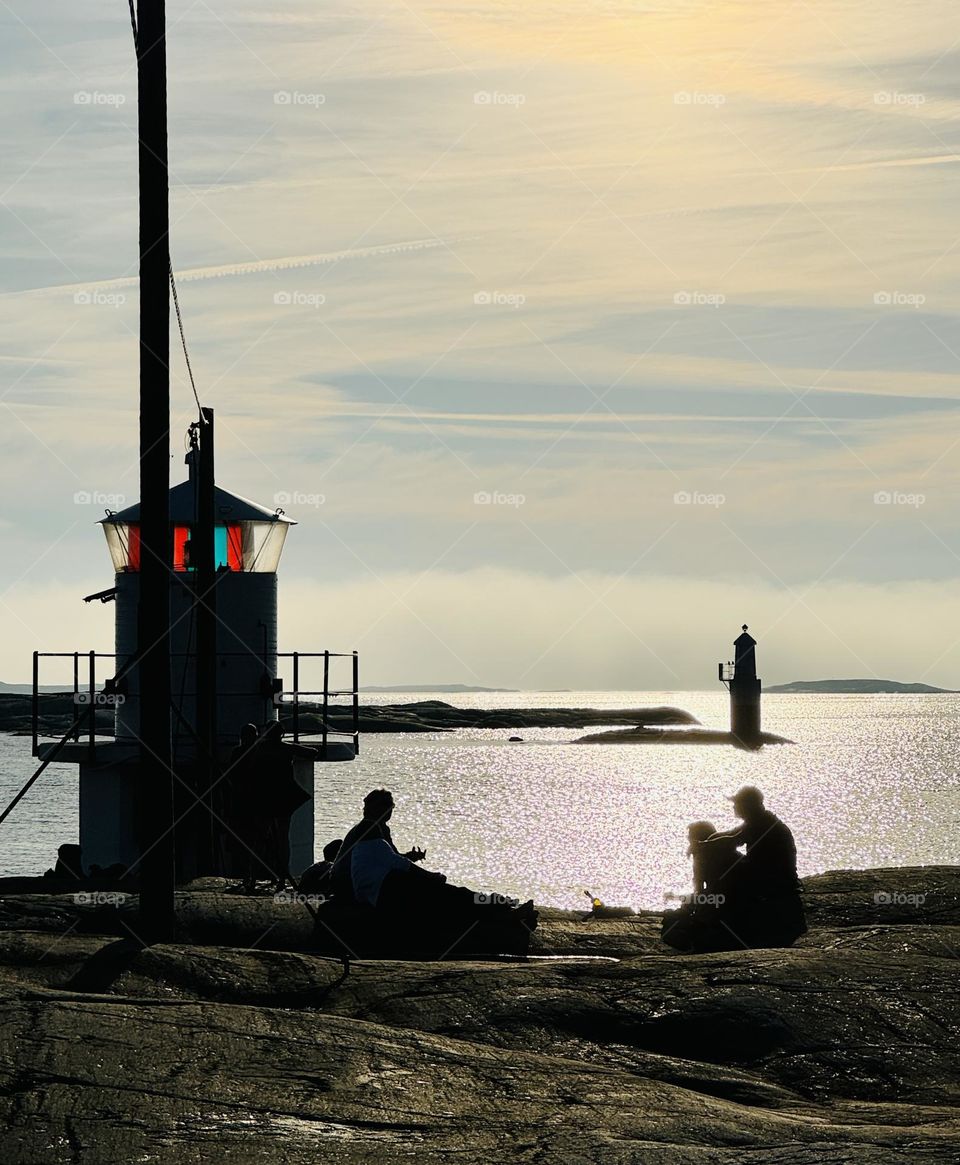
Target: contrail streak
[{"x": 258, "y": 267}]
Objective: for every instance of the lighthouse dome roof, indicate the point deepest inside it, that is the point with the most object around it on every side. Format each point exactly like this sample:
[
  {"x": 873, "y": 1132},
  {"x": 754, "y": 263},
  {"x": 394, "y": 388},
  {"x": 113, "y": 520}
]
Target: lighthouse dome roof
[{"x": 183, "y": 508}]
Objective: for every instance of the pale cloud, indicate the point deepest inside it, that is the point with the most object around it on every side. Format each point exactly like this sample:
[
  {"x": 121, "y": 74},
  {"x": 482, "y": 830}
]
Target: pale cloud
[
  {"x": 515, "y": 629},
  {"x": 380, "y": 167}
]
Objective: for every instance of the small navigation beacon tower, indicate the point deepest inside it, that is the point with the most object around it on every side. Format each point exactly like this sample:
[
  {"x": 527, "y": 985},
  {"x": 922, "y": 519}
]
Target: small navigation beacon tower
[
  {"x": 223, "y": 556},
  {"x": 740, "y": 676}
]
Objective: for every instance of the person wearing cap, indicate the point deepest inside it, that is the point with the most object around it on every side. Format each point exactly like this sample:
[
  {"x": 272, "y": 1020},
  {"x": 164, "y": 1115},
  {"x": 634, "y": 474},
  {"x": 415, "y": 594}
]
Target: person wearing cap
[
  {"x": 770, "y": 862},
  {"x": 767, "y": 899},
  {"x": 378, "y": 806}
]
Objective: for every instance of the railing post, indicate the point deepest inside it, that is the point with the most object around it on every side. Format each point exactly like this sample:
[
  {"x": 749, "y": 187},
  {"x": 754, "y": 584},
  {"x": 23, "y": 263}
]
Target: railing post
[
  {"x": 356, "y": 704},
  {"x": 296, "y": 697},
  {"x": 93, "y": 704},
  {"x": 35, "y": 702},
  {"x": 76, "y": 690},
  {"x": 326, "y": 699}
]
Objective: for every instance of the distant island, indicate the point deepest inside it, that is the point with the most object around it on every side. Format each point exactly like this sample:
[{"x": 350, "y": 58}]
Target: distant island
[
  {"x": 447, "y": 689},
  {"x": 27, "y": 689},
  {"x": 858, "y": 688}
]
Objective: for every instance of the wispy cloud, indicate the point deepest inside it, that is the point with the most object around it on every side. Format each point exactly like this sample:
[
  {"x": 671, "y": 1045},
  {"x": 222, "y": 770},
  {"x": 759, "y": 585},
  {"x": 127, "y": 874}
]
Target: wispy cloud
[
  {"x": 598, "y": 255},
  {"x": 229, "y": 270}
]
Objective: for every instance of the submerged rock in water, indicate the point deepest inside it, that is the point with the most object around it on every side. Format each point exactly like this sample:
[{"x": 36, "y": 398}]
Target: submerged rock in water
[{"x": 642, "y": 734}]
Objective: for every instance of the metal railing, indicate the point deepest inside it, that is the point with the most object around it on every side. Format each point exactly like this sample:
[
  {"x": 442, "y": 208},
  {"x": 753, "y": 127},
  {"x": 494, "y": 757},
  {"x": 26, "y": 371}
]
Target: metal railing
[{"x": 87, "y": 690}]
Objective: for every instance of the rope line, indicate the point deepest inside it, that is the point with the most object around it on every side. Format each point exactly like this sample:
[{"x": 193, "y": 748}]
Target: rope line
[
  {"x": 183, "y": 341},
  {"x": 51, "y": 755}
]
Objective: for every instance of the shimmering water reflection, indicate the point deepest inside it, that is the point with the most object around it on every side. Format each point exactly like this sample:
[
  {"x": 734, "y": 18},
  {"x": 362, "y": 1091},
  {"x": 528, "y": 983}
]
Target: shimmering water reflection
[{"x": 871, "y": 781}]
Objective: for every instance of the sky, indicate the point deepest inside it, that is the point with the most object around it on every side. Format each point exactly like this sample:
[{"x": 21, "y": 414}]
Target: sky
[{"x": 573, "y": 335}]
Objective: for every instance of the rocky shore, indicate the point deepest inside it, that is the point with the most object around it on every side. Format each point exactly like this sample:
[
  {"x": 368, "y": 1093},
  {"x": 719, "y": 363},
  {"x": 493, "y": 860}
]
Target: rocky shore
[
  {"x": 236, "y": 1045},
  {"x": 57, "y": 713}
]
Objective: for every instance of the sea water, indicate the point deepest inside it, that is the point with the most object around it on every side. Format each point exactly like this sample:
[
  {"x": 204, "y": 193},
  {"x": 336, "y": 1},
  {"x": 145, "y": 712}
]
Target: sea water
[{"x": 869, "y": 781}]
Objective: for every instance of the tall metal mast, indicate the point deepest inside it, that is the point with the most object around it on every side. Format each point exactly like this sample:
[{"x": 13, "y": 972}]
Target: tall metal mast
[
  {"x": 203, "y": 559},
  {"x": 157, "y": 870}
]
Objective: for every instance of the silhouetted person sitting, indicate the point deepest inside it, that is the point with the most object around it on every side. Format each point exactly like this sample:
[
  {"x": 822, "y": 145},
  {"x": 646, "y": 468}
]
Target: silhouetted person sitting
[
  {"x": 370, "y": 871},
  {"x": 765, "y": 906},
  {"x": 770, "y": 862},
  {"x": 317, "y": 879},
  {"x": 245, "y": 818},
  {"x": 69, "y": 866},
  {"x": 377, "y": 810},
  {"x": 698, "y": 924},
  {"x": 714, "y": 864},
  {"x": 281, "y": 796}
]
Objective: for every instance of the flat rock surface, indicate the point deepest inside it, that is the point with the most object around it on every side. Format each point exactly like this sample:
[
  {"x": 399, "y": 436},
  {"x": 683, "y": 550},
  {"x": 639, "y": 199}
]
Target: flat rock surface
[{"x": 608, "y": 1047}]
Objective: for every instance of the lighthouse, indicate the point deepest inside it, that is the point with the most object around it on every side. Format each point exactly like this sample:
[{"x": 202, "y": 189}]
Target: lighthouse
[
  {"x": 196, "y": 625},
  {"x": 223, "y": 555},
  {"x": 741, "y": 678},
  {"x": 248, "y": 541}
]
